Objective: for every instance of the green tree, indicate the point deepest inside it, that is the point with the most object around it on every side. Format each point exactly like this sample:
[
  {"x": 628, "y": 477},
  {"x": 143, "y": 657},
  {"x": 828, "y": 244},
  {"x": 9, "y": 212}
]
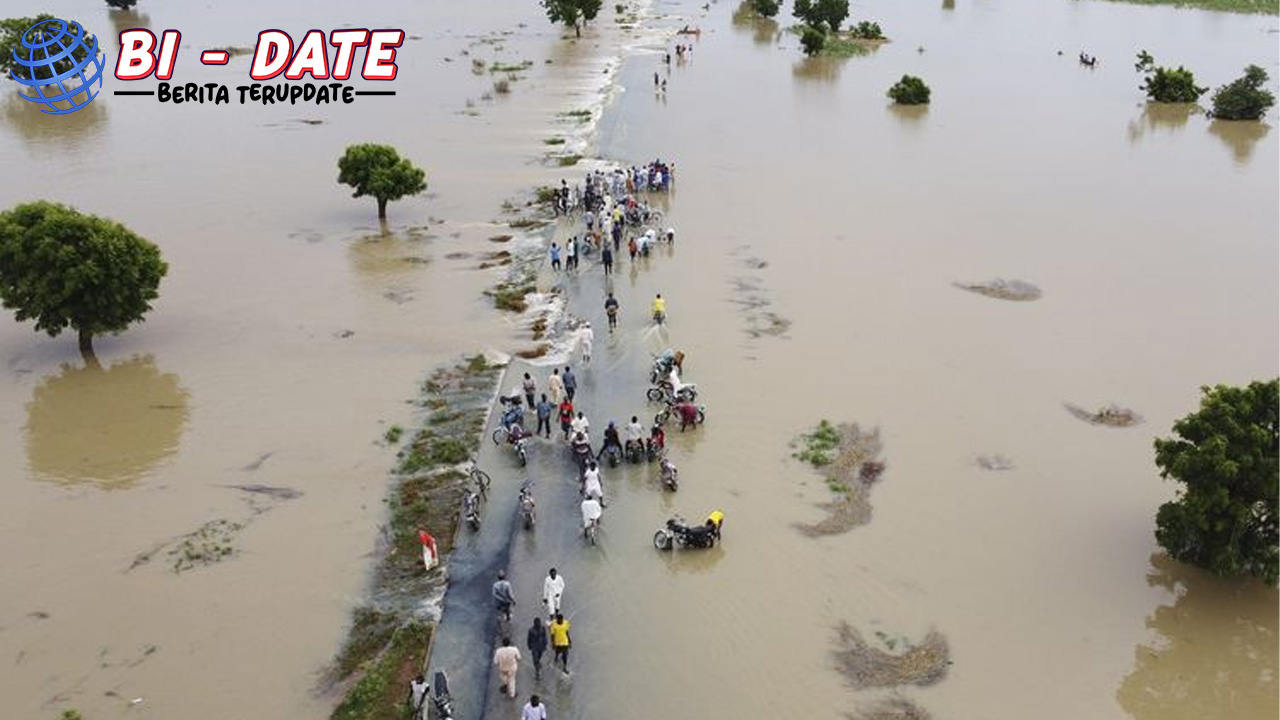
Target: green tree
[
  {"x": 1244, "y": 98},
  {"x": 11, "y": 32},
  {"x": 1224, "y": 518},
  {"x": 121, "y": 4},
  {"x": 1164, "y": 85},
  {"x": 812, "y": 41},
  {"x": 866, "y": 30},
  {"x": 64, "y": 269},
  {"x": 910, "y": 90},
  {"x": 379, "y": 171},
  {"x": 822, "y": 13},
  {"x": 573, "y": 13},
  {"x": 766, "y": 8}
]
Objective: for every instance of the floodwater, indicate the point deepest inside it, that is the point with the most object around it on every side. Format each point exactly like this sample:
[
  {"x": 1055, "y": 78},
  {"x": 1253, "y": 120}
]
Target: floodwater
[{"x": 802, "y": 198}]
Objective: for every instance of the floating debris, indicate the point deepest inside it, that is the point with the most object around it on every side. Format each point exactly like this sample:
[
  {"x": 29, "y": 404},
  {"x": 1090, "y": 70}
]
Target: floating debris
[
  {"x": 994, "y": 462},
  {"x": 1002, "y": 289},
  {"x": 271, "y": 491},
  {"x": 864, "y": 666},
  {"x": 1110, "y": 416},
  {"x": 208, "y": 544},
  {"x": 846, "y": 457}
]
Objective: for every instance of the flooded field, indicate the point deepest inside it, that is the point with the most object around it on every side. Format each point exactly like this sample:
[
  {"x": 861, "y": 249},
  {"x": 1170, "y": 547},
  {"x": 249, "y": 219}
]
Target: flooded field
[{"x": 821, "y": 238}]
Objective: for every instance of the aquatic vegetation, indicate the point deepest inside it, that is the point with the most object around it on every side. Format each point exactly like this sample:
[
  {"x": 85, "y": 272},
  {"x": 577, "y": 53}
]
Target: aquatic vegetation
[
  {"x": 866, "y": 666},
  {"x": 1001, "y": 289},
  {"x": 511, "y": 67},
  {"x": 393, "y": 434},
  {"x": 1111, "y": 416},
  {"x": 568, "y": 160},
  {"x": 910, "y": 90},
  {"x": 379, "y": 693},
  {"x": 866, "y": 30},
  {"x": 208, "y": 544},
  {"x": 1251, "y": 7},
  {"x": 1243, "y": 98},
  {"x": 511, "y": 298},
  {"x": 502, "y": 86},
  {"x": 846, "y": 456},
  {"x": 1162, "y": 84}
]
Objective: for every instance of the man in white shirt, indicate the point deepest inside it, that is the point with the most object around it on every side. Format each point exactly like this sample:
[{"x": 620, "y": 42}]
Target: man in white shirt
[
  {"x": 534, "y": 709},
  {"x": 591, "y": 512},
  {"x": 552, "y": 590},
  {"x": 581, "y": 425},
  {"x": 591, "y": 486},
  {"x": 418, "y": 698},
  {"x": 633, "y": 432},
  {"x": 507, "y": 659}
]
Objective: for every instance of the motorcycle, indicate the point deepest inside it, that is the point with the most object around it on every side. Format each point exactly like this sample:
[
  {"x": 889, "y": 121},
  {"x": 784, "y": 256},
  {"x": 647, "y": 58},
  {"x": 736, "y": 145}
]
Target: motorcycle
[
  {"x": 614, "y": 455},
  {"x": 581, "y": 456},
  {"x": 634, "y": 451},
  {"x": 662, "y": 392},
  {"x": 440, "y": 697},
  {"x": 471, "y": 509},
  {"x": 527, "y": 507},
  {"x": 663, "y": 365},
  {"x": 516, "y": 436},
  {"x": 677, "y": 532},
  {"x": 666, "y": 414},
  {"x": 652, "y": 451},
  {"x": 669, "y": 475}
]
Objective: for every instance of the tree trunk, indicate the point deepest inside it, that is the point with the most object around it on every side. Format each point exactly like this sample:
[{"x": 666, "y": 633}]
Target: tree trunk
[
  {"x": 382, "y": 208},
  {"x": 86, "y": 349}
]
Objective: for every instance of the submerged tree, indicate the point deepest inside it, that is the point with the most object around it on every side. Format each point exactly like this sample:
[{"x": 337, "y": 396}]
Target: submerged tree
[
  {"x": 867, "y": 30},
  {"x": 766, "y": 8},
  {"x": 822, "y": 13},
  {"x": 380, "y": 172},
  {"x": 812, "y": 41},
  {"x": 68, "y": 270},
  {"x": 910, "y": 90},
  {"x": 1244, "y": 98},
  {"x": 11, "y": 32},
  {"x": 1165, "y": 85},
  {"x": 573, "y": 13},
  {"x": 1224, "y": 518},
  {"x": 122, "y": 4}
]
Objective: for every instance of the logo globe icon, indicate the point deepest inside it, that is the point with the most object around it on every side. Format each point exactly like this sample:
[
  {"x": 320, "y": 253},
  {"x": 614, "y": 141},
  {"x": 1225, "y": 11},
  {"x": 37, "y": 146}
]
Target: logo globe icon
[{"x": 51, "y": 53}]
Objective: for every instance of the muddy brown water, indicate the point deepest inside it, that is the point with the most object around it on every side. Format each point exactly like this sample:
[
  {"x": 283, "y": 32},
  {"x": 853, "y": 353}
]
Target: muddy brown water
[{"x": 1152, "y": 235}]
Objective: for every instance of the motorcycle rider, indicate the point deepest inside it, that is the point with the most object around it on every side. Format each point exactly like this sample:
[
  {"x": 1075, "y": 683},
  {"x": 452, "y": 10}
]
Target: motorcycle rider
[
  {"x": 714, "y": 521},
  {"x": 591, "y": 483},
  {"x": 657, "y": 440},
  {"x": 581, "y": 425},
  {"x": 634, "y": 434},
  {"x": 591, "y": 512},
  {"x": 610, "y": 440}
]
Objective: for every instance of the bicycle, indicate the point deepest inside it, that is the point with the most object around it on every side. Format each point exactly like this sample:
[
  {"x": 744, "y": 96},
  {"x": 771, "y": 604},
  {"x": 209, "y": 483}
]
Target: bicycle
[{"x": 480, "y": 478}]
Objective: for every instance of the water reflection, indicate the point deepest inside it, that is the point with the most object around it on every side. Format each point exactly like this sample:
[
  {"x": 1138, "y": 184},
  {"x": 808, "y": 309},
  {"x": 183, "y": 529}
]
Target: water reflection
[
  {"x": 1240, "y": 135},
  {"x": 384, "y": 261},
  {"x": 692, "y": 560},
  {"x": 821, "y": 69},
  {"x": 68, "y": 133},
  {"x": 1214, "y": 651},
  {"x": 108, "y": 426},
  {"x": 764, "y": 31},
  {"x": 1157, "y": 116},
  {"x": 912, "y": 116},
  {"x": 122, "y": 20}
]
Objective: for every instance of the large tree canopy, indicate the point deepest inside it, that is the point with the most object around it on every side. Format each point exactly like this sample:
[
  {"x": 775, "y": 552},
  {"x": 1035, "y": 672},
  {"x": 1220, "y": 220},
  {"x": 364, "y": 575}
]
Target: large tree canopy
[
  {"x": 379, "y": 171},
  {"x": 64, "y": 269},
  {"x": 822, "y": 13},
  {"x": 1224, "y": 519},
  {"x": 572, "y": 13},
  {"x": 11, "y": 32}
]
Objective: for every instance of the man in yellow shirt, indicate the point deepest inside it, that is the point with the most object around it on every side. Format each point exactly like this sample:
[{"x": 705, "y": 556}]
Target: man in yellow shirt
[
  {"x": 559, "y": 631},
  {"x": 659, "y": 309}
]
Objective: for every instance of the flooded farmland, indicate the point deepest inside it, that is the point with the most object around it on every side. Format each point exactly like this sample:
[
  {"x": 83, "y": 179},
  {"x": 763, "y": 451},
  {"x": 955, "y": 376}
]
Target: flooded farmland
[{"x": 821, "y": 236}]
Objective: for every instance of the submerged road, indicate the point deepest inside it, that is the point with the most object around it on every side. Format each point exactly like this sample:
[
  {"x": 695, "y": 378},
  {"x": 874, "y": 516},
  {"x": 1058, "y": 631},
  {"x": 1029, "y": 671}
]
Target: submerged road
[{"x": 611, "y": 387}]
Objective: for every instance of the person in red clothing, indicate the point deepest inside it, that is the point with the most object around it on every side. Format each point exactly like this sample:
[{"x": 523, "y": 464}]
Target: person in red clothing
[
  {"x": 688, "y": 415},
  {"x": 566, "y": 417}
]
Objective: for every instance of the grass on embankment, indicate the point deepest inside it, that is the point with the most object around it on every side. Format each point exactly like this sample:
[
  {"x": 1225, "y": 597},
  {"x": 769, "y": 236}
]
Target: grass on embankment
[
  {"x": 387, "y": 643},
  {"x": 1250, "y": 7}
]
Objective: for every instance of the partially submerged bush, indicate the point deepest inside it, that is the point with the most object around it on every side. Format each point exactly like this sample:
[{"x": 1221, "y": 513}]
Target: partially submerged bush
[
  {"x": 766, "y": 8},
  {"x": 910, "y": 90},
  {"x": 820, "y": 445},
  {"x": 868, "y": 31},
  {"x": 812, "y": 41},
  {"x": 1165, "y": 85},
  {"x": 1244, "y": 98}
]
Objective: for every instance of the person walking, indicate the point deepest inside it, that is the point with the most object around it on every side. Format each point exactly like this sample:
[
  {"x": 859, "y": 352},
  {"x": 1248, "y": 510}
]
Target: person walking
[
  {"x": 560, "y": 642},
  {"x": 417, "y": 700},
  {"x": 534, "y": 709},
  {"x": 544, "y": 417},
  {"x": 503, "y": 599},
  {"x": 566, "y": 417},
  {"x": 507, "y": 660},
  {"x": 570, "y": 383},
  {"x": 555, "y": 386},
  {"x": 536, "y": 639},
  {"x": 611, "y": 309},
  {"x": 571, "y": 254},
  {"x": 587, "y": 337},
  {"x": 633, "y": 248},
  {"x": 552, "y": 591},
  {"x": 555, "y": 256},
  {"x": 530, "y": 387},
  {"x": 606, "y": 259}
]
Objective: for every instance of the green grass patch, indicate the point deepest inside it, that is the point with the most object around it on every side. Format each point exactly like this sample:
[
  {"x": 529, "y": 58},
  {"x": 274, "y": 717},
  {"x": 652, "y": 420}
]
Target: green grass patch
[
  {"x": 568, "y": 160},
  {"x": 819, "y": 447},
  {"x": 476, "y": 364},
  {"x": 545, "y": 195},
  {"x": 1249, "y": 7},
  {"x": 393, "y": 434},
  {"x": 379, "y": 694},
  {"x": 525, "y": 223},
  {"x": 511, "y": 297},
  {"x": 553, "y": 141},
  {"x": 430, "y": 450}
]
